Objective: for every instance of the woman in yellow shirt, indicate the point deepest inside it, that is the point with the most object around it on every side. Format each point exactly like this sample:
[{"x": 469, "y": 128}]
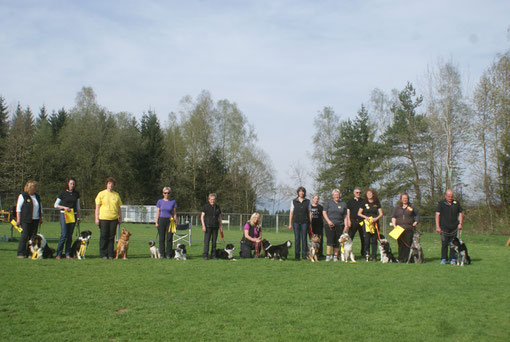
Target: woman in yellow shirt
[{"x": 108, "y": 215}]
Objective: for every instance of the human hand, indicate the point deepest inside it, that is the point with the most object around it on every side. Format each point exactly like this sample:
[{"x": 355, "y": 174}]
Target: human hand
[
  {"x": 438, "y": 229},
  {"x": 203, "y": 229},
  {"x": 415, "y": 224},
  {"x": 156, "y": 224},
  {"x": 18, "y": 223},
  {"x": 290, "y": 227},
  {"x": 459, "y": 227},
  {"x": 331, "y": 224},
  {"x": 97, "y": 222}
]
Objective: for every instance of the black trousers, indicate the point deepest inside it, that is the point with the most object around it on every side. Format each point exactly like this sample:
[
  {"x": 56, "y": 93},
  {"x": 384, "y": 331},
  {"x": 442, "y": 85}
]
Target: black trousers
[
  {"x": 370, "y": 243},
  {"x": 211, "y": 233},
  {"x": 404, "y": 243},
  {"x": 29, "y": 230},
  {"x": 164, "y": 235},
  {"x": 445, "y": 244},
  {"x": 107, "y": 238},
  {"x": 318, "y": 228},
  {"x": 246, "y": 249},
  {"x": 356, "y": 227}
]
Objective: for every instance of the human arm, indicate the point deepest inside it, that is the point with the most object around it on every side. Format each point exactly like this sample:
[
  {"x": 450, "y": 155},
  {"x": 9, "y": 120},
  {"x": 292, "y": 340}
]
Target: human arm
[
  {"x": 158, "y": 212},
  {"x": 202, "y": 220},
  {"x": 120, "y": 216},
  {"x": 249, "y": 238},
  {"x": 416, "y": 217},
  {"x": 461, "y": 218},
  {"x": 97, "y": 214},
  {"x": 438, "y": 227},
  {"x": 61, "y": 207},
  {"x": 347, "y": 221},
  {"x": 325, "y": 215},
  {"x": 19, "y": 204},
  {"x": 378, "y": 216},
  {"x": 175, "y": 214},
  {"x": 221, "y": 223},
  {"x": 290, "y": 219}
]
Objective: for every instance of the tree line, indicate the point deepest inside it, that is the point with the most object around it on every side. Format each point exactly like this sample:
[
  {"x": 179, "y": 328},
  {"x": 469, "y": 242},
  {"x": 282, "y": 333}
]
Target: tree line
[
  {"x": 424, "y": 144},
  {"x": 206, "y": 147}
]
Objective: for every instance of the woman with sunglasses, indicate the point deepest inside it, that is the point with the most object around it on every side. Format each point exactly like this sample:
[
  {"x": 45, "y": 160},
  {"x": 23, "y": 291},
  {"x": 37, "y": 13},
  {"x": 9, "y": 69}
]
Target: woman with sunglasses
[{"x": 166, "y": 209}]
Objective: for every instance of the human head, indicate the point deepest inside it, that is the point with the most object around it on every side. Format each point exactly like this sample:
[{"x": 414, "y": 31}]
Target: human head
[
  {"x": 31, "y": 187},
  {"x": 370, "y": 194},
  {"x": 110, "y": 183},
  {"x": 254, "y": 219},
  {"x": 336, "y": 195},
  {"x": 357, "y": 192},
  {"x": 166, "y": 191},
  {"x": 448, "y": 195},
  {"x": 404, "y": 198},
  {"x": 301, "y": 189},
  {"x": 212, "y": 198},
  {"x": 315, "y": 199},
  {"x": 71, "y": 183}
]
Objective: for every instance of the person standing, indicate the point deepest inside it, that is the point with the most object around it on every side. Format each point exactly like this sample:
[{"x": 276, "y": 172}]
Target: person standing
[
  {"x": 107, "y": 217},
  {"x": 211, "y": 220},
  {"x": 252, "y": 237},
  {"x": 371, "y": 212},
  {"x": 337, "y": 217},
  {"x": 166, "y": 209},
  {"x": 299, "y": 220},
  {"x": 67, "y": 200},
  {"x": 317, "y": 222},
  {"x": 28, "y": 215},
  {"x": 406, "y": 216},
  {"x": 353, "y": 205},
  {"x": 448, "y": 221}
]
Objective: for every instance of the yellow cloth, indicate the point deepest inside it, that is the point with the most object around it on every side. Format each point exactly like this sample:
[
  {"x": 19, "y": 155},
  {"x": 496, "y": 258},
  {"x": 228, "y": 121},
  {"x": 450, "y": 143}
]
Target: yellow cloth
[
  {"x": 369, "y": 225},
  {"x": 69, "y": 216},
  {"x": 396, "y": 232},
  {"x": 109, "y": 204},
  {"x": 83, "y": 248},
  {"x": 19, "y": 229},
  {"x": 171, "y": 228}
]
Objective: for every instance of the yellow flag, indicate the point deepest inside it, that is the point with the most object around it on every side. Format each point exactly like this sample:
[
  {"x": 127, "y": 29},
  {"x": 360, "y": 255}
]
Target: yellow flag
[
  {"x": 171, "y": 228},
  {"x": 69, "y": 215},
  {"x": 369, "y": 225},
  {"x": 19, "y": 229},
  {"x": 395, "y": 233}
]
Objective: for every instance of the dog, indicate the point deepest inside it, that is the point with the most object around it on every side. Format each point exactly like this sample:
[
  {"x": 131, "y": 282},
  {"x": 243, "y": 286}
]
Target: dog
[
  {"x": 346, "y": 252},
  {"x": 226, "y": 253},
  {"x": 123, "y": 245},
  {"x": 416, "y": 252},
  {"x": 280, "y": 252},
  {"x": 154, "y": 250},
  {"x": 385, "y": 251},
  {"x": 79, "y": 247},
  {"x": 461, "y": 250},
  {"x": 180, "y": 252},
  {"x": 38, "y": 248},
  {"x": 314, "y": 247}
]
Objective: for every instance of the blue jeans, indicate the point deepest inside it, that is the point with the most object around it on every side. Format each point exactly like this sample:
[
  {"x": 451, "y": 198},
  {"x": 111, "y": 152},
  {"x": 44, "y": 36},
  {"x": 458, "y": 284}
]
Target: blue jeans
[
  {"x": 66, "y": 236},
  {"x": 300, "y": 241}
]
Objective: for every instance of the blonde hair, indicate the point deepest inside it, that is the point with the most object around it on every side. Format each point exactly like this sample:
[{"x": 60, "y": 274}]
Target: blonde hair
[
  {"x": 212, "y": 194},
  {"x": 252, "y": 219},
  {"x": 31, "y": 184},
  {"x": 167, "y": 188},
  {"x": 335, "y": 190}
]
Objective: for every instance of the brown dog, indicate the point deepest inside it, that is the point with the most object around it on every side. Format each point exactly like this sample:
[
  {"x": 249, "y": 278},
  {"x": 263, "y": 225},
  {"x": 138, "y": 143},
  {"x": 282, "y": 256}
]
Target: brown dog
[
  {"x": 314, "y": 247},
  {"x": 123, "y": 245}
]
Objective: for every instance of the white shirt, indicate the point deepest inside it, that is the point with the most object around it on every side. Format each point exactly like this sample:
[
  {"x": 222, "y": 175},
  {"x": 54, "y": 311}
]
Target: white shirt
[{"x": 35, "y": 206}]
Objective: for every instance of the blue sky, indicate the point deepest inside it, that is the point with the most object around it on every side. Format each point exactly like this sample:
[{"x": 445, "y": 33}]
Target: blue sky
[{"x": 280, "y": 61}]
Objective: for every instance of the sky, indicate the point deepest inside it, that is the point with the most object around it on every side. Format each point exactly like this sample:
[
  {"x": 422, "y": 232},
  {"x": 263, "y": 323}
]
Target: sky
[{"x": 280, "y": 61}]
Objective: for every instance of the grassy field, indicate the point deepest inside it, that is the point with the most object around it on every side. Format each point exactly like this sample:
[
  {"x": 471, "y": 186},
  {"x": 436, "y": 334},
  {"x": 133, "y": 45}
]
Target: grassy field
[{"x": 140, "y": 299}]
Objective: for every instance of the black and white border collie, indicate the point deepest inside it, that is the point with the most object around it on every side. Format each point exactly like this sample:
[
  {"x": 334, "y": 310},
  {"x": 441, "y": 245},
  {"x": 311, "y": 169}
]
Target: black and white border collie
[
  {"x": 180, "y": 252},
  {"x": 280, "y": 252},
  {"x": 461, "y": 250},
  {"x": 38, "y": 248},
  {"x": 79, "y": 247},
  {"x": 226, "y": 253},
  {"x": 385, "y": 251}
]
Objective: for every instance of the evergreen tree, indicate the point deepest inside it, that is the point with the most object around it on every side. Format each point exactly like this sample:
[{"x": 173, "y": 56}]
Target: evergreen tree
[
  {"x": 58, "y": 120},
  {"x": 4, "y": 124}
]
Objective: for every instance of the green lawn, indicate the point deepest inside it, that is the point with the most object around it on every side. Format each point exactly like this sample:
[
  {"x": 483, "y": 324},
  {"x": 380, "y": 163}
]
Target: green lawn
[{"x": 140, "y": 299}]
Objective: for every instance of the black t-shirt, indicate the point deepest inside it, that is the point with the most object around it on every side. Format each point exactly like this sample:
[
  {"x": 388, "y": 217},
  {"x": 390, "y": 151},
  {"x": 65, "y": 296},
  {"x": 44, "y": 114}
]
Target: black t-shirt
[
  {"x": 212, "y": 214},
  {"x": 448, "y": 214},
  {"x": 69, "y": 199},
  {"x": 371, "y": 209},
  {"x": 316, "y": 214},
  {"x": 354, "y": 206}
]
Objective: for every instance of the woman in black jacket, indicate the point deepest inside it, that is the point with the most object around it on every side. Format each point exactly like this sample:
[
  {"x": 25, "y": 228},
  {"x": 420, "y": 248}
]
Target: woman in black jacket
[{"x": 28, "y": 215}]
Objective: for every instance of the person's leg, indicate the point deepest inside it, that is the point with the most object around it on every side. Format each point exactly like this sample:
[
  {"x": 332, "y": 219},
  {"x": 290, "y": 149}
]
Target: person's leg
[
  {"x": 366, "y": 247},
  {"x": 373, "y": 244},
  {"x": 214, "y": 238},
  {"x": 63, "y": 235},
  {"x": 297, "y": 240},
  {"x": 162, "y": 231},
  {"x": 361, "y": 239},
  {"x": 245, "y": 251},
  {"x": 103, "y": 238},
  {"x": 453, "y": 254},
  {"x": 112, "y": 226},
  {"x": 304, "y": 239},
  {"x": 444, "y": 247},
  {"x": 170, "y": 244},
  {"x": 25, "y": 236},
  {"x": 207, "y": 238}
]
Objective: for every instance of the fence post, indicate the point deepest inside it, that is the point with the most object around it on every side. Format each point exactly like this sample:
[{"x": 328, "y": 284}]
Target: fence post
[{"x": 277, "y": 223}]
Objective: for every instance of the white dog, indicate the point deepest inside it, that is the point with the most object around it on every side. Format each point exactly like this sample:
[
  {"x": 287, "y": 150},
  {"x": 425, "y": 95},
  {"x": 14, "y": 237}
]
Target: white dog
[
  {"x": 346, "y": 252},
  {"x": 154, "y": 250}
]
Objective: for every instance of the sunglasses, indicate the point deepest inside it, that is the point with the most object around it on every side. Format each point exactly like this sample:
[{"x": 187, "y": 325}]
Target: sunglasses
[{"x": 165, "y": 193}]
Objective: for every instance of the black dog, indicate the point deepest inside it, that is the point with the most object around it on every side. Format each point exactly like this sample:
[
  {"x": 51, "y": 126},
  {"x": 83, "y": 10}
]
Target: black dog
[
  {"x": 226, "y": 253},
  {"x": 280, "y": 252},
  {"x": 38, "y": 248},
  {"x": 385, "y": 251},
  {"x": 79, "y": 247},
  {"x": 461, "y": 251}
]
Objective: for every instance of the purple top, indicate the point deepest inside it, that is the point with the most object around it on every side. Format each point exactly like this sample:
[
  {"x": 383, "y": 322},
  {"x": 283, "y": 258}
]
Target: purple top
[
  {"x": 255, "y": 231},
  {"x": 166, "y": 208}
]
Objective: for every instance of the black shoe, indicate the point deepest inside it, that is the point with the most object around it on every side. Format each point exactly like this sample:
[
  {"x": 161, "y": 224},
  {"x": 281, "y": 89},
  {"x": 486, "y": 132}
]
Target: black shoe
[{"x": 205, "y": 257}]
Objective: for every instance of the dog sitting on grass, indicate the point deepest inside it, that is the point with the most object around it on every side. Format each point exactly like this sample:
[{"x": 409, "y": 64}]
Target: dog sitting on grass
[
  {"x": 154, "y": 250},
  {"x": 346, "y": 252},
  {"x": 385, "y": 251},
  {"x": 38, "y": 248},
  {"x": 123, "y": 245},
  {"x": 416, "y": 252},
  {"x": 462, "y": 253},
  {"x": 79, "y": 247},
  {"x": 314, "y": 247}
]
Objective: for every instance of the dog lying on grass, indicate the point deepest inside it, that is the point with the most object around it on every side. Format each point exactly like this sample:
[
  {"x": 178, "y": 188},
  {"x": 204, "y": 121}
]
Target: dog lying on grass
[
  {"x": 123, "y": 245},
  {"x": 280, "y": 252},
  {"x": 226, "y": 253},
  {"x": 180, "y": 252}
]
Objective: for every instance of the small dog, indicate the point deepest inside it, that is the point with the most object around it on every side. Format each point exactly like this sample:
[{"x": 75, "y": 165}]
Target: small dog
[
  {"x": 461, "y": 250},
  {"x": 385, "y": 251},
  {"x": 280, "y": 252},
  {"x": 314, "y": 247},
  {"x": 416, "y": 252},
  {"x": 180, "y": 252},
  {"x": 79, "y": 247},
  {"x": 154, "y": 250},
  {"x": 226, "y": 253},
  {"x": 346, "y": 248},
  {"x": 38, "y": 248},
  {"x": 123, "y": 245}
]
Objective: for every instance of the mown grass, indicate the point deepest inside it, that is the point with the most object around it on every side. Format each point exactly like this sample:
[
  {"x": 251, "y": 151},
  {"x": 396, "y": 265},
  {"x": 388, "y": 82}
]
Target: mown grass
[{"x": 140, "y": 299}]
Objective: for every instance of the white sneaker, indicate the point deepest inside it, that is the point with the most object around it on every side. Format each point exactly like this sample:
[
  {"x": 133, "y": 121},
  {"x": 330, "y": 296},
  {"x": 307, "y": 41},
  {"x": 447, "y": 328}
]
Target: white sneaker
[
  {"x": 335, "y": 258},
  {"x": 328, "y": 258}
]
